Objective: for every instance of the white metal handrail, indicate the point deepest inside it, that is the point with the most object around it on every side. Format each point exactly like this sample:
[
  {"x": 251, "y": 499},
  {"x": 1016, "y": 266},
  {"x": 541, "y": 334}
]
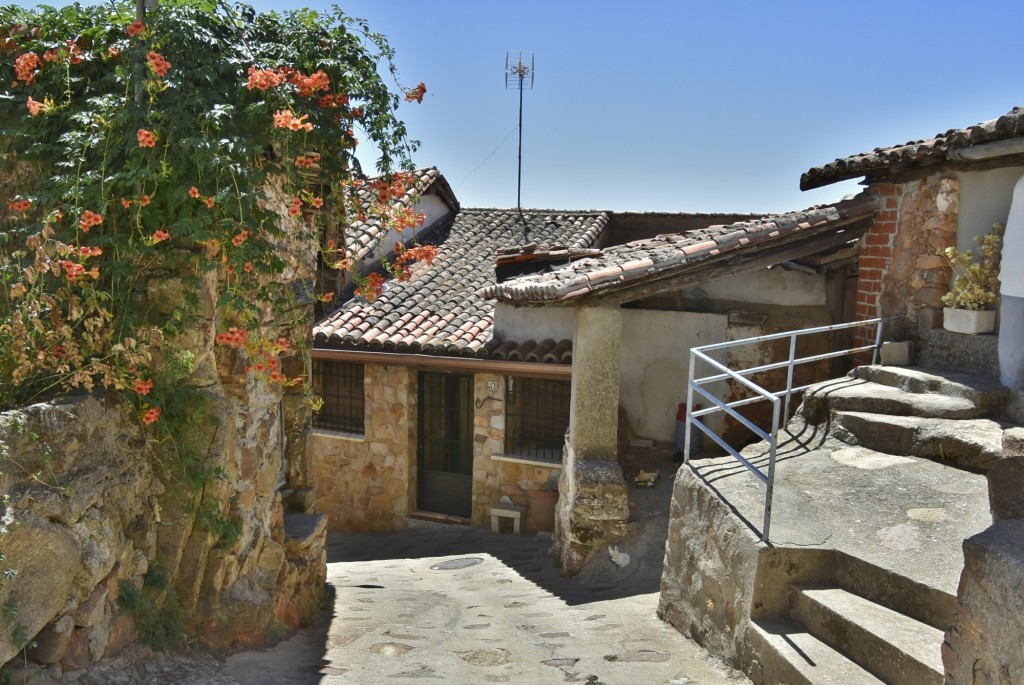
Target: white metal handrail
[{"x": 723, "y": 373}]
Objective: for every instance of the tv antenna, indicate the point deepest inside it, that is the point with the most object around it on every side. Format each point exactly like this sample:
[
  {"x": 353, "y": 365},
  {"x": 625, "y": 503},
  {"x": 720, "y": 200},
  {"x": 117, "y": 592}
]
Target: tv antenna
[{"x": 519, "y": 74}]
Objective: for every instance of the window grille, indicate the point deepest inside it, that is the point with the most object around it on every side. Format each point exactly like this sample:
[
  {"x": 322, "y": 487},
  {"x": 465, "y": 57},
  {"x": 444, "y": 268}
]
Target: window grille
[
  {"x": 340, "y": 385},
  {"x": 536, "y": 417}
]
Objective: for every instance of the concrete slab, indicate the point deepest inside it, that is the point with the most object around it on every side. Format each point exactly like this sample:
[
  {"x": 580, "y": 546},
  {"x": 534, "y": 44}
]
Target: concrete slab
[{"x": 904, "y": 514}]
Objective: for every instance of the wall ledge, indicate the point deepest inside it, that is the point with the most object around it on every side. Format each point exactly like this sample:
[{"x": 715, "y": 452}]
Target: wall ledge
[
  {"x": 512, "y": 458},
  {"x": 339, "y": 435}
]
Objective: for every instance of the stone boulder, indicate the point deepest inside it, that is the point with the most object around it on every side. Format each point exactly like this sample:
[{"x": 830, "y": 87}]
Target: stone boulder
[{"x": 984, "y": 645}]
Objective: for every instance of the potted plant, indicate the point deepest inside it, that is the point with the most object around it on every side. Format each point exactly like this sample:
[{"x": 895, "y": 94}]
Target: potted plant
[{"x": 975, "y": 285}]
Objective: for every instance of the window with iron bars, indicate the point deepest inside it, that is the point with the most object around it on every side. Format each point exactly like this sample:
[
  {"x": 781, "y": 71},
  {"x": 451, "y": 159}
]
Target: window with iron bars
[
  {"x": 536, "y": 417},
  {"x": 340, "y": 385}
]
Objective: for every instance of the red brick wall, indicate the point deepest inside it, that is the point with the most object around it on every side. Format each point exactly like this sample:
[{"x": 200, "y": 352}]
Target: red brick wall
[{"x": 876, "y": 258}]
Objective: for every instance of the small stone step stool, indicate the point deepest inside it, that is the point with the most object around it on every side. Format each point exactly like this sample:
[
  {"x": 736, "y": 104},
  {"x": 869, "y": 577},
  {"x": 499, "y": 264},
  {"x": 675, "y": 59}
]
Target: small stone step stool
[{"x": 507, "y": 511}]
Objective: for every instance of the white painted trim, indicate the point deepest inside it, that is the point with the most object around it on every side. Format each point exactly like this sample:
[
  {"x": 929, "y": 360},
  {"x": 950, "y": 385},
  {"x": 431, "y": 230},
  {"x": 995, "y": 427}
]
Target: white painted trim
[
  {"x": 526, "y": 460},
  {"x": 339, "y": 435}
]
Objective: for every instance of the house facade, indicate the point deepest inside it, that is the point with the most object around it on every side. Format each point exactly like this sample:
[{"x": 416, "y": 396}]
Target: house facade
[
  {"x": 934, "y": 193},
  {"x": 637, "y": 308},
  {"x": 428, "y": 410},
  {"x": 457, "y": 388}
]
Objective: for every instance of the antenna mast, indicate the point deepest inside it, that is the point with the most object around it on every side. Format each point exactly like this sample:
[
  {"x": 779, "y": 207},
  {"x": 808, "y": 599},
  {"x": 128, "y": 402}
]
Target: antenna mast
[{"x": 519, "y": 74}]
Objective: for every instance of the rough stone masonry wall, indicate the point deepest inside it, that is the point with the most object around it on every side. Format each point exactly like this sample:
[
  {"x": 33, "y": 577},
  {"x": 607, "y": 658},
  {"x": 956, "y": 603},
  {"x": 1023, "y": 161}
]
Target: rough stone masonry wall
[
  {"x": 711, "y": 562},
  {"x": 494, "y": 478},
  {"x": 94, "y": 501},
  {"x": 984, "y": 644},
  {"x": 900, "y": 272},
  {"x": 368, "y": 482},
  {"x": 91, "y": 506}
]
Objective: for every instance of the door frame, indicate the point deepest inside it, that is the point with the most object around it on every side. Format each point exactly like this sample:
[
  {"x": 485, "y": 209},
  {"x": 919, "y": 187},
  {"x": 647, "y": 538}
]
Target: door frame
[{"x": 448, "y": 490}]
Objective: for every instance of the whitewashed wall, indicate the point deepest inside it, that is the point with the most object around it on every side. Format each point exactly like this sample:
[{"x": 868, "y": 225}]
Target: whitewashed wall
[
  {"x": 537, "y": 323},
  {"x": 655, "y": 365},
  {"x": 984, "y": 200}
]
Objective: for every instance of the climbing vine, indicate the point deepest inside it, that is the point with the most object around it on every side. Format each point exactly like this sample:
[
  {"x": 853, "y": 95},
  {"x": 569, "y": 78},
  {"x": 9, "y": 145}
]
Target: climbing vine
[{"x": 207, "y": 141}]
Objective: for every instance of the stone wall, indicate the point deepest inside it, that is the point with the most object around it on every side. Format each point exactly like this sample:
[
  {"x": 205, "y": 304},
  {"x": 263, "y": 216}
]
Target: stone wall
[
  {"x": 368, "y": 482},
  {"x": 900, "y": 271},
  {"x": 93, "y": 501},
  {"x": 495, "y": 478},
  {"x": 711, "y": 564},
  {"x": 984, "y": 645},
  {"x": 96, "y": 499}
]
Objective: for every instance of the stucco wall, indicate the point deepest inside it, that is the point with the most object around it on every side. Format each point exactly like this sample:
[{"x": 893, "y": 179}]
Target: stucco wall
[
  {"x": 524, "y": 323},
  {"x": 764, "y": 286},
  {"x": 655, "y": 365},
  {"x": 984, "y": 200}
]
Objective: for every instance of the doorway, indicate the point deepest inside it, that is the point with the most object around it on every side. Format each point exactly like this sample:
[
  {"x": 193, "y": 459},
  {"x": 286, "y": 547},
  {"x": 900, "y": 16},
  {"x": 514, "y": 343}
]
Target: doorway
[{"x": 445, "y": 449}]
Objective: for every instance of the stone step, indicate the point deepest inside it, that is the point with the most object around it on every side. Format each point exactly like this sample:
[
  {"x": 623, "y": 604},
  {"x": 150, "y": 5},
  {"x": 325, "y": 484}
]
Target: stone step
[
  {"x": 903, "y": 594},
  {"x": 894, "y": 647},
  {"x": 854, "y": 394},
  {"x": 973, "y": 444},
  {"x": 985, "y": 393},
  {"x": 791, "y": 655}
]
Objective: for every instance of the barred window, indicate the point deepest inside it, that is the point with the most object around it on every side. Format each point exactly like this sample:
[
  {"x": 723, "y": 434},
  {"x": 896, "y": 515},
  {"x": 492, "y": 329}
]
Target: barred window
[
  {"x": 340, "y": 385},
  {"x": 536, "y": 417}
]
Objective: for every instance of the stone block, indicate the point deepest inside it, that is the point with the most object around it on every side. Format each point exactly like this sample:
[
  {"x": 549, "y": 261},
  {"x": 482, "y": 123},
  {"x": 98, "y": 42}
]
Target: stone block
[
  {"x": 595, "y": 510},
  {"x": 76, "y": 654},
  {"x": 90, "y": 611},
  {"x": 929, "y": 318},
  {"x": 99, "y": 633},
  {"x": 122, "y": 634},
  {"x": 896, "y": 354},
  {"x": 271, "y": 558},
  {"x": 1013, "y": 442},
  {"x": 983, "y": 646},
  {"x": 1015, "y": 407},
  {"x": 47, "y": 558},
  {"x": 1006, "y": 488}
]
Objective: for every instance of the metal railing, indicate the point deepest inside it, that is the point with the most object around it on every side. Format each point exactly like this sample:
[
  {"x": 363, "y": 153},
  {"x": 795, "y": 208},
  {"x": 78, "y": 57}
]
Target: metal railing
[{"x": 780, "y": 399}]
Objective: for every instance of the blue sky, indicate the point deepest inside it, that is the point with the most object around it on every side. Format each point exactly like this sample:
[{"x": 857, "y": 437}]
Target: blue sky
[
  {"x": 665, "y": 105},
  {"x": 685, "y": 106}
]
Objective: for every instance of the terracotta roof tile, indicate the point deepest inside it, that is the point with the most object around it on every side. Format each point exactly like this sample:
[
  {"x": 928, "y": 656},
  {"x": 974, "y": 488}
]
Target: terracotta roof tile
[
  {"x": 439, "y": 310},
  {"x": 363, "y": 236},
  {"x": 625, "y": 264},
  {"x": 917, "y": 152}
]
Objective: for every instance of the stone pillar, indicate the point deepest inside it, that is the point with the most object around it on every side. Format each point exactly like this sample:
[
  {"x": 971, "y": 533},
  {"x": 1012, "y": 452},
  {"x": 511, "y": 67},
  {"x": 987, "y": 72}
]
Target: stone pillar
[{"x": 593, "y": 506}]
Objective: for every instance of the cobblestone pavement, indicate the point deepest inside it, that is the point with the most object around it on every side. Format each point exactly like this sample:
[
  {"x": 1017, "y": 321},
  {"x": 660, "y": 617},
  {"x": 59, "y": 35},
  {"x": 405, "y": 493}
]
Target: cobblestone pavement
[
  {"x": 462, "y": 605},
  {"x": 400, "y": 612}
]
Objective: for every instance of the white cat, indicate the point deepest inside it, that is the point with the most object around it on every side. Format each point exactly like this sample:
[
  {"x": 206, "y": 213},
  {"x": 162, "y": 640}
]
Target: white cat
[{"x": 618, "y": 558}]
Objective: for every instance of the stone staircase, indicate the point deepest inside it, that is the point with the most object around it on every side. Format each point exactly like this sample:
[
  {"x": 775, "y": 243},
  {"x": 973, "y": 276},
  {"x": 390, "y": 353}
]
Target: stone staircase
[{"x": 859, "y": 614}]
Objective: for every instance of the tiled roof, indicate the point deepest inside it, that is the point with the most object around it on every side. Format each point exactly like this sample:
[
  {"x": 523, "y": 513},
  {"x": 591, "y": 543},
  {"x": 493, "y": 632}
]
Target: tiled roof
[
  {"x": 666, "y": 255},
  {"x": 363, "y": 236},
  {"x": 440, "y": 310},
  {"x": 917, "y": 152}
]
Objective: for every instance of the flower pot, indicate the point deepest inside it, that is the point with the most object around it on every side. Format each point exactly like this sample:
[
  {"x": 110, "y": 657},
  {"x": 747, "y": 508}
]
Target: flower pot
[{"x": 972, "y": 321}]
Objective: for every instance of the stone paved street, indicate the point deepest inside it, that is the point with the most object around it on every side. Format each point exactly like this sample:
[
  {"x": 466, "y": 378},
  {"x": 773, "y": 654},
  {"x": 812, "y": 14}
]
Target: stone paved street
[{"x": 508, "y": 618}]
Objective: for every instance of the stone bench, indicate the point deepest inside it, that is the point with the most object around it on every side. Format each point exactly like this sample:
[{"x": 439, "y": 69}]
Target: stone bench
[{"x": 511, "y": 511}]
